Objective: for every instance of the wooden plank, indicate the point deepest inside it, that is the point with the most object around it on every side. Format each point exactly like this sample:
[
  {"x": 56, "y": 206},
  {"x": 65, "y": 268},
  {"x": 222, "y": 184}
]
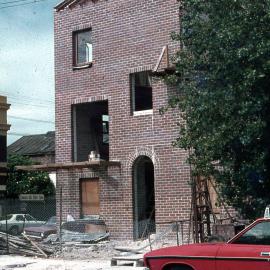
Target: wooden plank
[
  {"x": 35, "y": 245},
  {"x": 69, "y": 165},
  {"x": 164, "y": 49},
  {"x": 90, "y": 197}
]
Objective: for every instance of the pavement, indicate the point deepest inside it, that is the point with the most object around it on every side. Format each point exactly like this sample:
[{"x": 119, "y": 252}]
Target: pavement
[{"x": 10, "y": 262}]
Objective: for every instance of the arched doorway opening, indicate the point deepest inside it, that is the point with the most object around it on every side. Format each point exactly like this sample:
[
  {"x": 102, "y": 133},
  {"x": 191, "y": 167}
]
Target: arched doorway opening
[{"x": 143, "y": 197}]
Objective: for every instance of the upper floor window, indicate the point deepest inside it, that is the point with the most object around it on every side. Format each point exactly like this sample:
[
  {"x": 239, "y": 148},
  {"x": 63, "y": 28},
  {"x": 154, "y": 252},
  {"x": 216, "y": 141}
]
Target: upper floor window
[
  {"x": 83, "y": 48},
  {"x": 141, "y": 92}
]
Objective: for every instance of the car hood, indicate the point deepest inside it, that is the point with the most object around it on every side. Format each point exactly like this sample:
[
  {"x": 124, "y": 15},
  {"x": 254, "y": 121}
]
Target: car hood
[
  {"x": 198, "y": 250},
  {"x": 43, "y": 228}
]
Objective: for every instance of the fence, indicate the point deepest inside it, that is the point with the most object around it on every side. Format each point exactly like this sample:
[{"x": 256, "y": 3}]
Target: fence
[
  {"x": 17, "y": 215},
  {"x": 20, "y": 215}
]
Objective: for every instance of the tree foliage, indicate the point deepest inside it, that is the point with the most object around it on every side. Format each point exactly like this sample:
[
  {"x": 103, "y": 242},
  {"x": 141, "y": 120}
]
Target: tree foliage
[
  {"x": 27, "y": 182},
  {"x": 222, "y": 74}
]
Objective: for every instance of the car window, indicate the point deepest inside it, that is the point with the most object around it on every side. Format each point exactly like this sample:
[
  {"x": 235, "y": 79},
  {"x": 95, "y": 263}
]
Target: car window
[
  {"x": 29, "y": 218},
  {"x": 257, "y": 235},
  {"x": 19, "y": 218}
]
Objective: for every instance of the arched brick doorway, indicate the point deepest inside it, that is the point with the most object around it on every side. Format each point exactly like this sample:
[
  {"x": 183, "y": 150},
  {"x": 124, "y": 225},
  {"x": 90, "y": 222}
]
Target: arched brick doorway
[{"x": 143, "y": 197}]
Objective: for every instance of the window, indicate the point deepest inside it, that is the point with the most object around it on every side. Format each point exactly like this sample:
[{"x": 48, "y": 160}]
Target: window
[
  {"x": 29, "y": 218},
  {"x": 105, "y": 129},
  {"x": 20, "y": 218},
  {"x": 141, "y": 91},
  {"x": 257, "y": 235},
  {"x": 83, "y": 51}
]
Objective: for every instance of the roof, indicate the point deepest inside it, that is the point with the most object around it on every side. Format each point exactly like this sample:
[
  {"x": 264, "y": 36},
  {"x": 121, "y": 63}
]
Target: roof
[
  {"x": 69, "y": 3},
  {"x": 34, "y": 145}
]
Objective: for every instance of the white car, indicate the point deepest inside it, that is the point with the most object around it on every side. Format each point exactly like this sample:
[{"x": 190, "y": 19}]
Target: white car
[{"x": 17, "y": 222}]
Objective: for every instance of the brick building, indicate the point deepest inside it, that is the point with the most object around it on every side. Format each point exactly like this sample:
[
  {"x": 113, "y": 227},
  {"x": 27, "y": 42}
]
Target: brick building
[
  {"x": 4, "y": 127},
  {"x": 40, "y": 148},
  {"x": 117, "y": 147}
]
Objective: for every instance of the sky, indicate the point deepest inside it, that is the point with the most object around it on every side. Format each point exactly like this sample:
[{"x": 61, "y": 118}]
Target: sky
[{"x": 27, "y": 65}]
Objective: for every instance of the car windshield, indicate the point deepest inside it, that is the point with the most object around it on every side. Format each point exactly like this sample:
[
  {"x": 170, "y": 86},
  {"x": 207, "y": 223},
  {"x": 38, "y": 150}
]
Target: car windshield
[
  {"x": 8, "y": 217},
  {"x": 257, "y": 235},
  {"x": 51, "y": 221}
]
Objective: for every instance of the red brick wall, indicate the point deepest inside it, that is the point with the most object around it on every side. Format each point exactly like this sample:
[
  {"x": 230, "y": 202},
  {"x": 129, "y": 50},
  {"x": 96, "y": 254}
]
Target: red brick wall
[{"x": 127, "y": 36}]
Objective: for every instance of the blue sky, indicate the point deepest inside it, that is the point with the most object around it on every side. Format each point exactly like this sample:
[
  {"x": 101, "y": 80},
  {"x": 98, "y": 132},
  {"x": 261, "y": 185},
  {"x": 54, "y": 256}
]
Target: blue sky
[{"x": 27, "y": 66}]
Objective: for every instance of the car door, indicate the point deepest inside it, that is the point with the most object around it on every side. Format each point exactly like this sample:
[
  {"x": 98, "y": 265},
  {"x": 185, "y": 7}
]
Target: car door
[
  {"x": 30, "y": 221},
  {"x": 243, "y": 257},
  {"x": 19, "y": 222},
  {"x": 248, "y": 251}
]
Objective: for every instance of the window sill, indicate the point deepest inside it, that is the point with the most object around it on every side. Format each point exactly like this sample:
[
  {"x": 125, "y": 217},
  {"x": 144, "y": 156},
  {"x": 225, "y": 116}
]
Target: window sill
[
  {"x": 145, "y": 112},
  {"x": 87, "y": 65}
]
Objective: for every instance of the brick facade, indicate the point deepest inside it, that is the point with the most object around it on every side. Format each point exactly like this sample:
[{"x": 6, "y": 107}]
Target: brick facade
[{"x": 128, "y": 36}]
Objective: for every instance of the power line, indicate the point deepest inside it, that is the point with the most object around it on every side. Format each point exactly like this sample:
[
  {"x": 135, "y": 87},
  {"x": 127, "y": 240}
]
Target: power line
[
  {"x": 23, "y": 4},
  {"x": 29, "y": 101},
  {"x": 32, "y": 105},
  {"x": 18, "y": 134},
  {"x": 14, "y": 96},
  {"x": 10, "y": 2},
  {"x": 18, "y": 92},
  {"x": 31, "y": 119},
  {"x": 30, "y": 98}
]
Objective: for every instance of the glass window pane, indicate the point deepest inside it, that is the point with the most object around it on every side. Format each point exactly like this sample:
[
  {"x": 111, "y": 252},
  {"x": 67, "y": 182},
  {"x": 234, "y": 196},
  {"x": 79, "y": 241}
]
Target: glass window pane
[
  {"x": 20, "y": 218},
  {"x": 142, "y": 91},
  {"x": 29, "y": 218},
  {"x": 84, "y": 47},
  {"x": 257, "y": 235},
  {"x": 106, "y": 138}
]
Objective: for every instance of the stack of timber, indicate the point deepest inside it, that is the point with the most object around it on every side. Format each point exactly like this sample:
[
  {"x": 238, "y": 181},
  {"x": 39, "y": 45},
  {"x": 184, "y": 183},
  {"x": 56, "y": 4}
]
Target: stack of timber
[{"x": 22, "y": 246}]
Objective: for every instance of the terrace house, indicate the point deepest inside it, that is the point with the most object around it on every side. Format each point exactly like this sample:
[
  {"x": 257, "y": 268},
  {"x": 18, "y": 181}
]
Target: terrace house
[{"x": 114, "y": 145}]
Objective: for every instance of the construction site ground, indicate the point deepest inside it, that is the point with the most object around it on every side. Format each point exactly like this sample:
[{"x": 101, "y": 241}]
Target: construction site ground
[{"x": 74, "y": 256}]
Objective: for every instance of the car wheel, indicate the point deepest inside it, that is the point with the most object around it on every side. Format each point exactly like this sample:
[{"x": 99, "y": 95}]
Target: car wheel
[
  {"x": 14, "y": 230},
  {"x": 178, "y": 267}
]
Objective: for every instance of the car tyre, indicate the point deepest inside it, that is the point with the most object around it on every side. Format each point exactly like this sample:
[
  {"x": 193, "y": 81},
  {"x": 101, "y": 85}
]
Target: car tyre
[{"x": 14, "y": 230}]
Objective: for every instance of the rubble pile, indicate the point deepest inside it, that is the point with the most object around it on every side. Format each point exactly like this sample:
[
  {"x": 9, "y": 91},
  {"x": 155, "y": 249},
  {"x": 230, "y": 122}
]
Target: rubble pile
[{"x": 22, "y": 246}]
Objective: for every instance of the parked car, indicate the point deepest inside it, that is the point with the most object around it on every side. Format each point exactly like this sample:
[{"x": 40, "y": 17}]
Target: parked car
[
  {"x": 248, "y": 250},
  {"x": 41, "y": 232},
  {"x": 17, "y": 222}
]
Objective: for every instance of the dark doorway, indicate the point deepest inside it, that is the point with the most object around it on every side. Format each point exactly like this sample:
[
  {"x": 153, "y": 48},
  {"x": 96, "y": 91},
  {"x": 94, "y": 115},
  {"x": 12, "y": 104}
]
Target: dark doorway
[
  {"x": 143, "y": 197},
  {"x": 90, "y": 130}
]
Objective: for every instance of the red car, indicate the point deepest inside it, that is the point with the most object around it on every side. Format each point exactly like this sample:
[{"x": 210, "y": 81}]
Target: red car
[{"x": 248, "y": 250}]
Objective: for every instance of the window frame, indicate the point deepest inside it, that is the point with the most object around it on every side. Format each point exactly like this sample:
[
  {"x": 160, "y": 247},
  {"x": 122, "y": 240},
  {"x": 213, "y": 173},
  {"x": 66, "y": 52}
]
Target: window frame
[
  {"x": 76, "y": 64},
  {"x": 132, "y": 79}
]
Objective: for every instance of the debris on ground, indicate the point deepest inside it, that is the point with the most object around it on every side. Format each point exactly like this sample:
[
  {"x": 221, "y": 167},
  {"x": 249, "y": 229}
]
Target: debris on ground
[
  {"x": 134, "y": 260},
  {"x": 71, "y": 236},
  {"x": 22, "y": 246}
]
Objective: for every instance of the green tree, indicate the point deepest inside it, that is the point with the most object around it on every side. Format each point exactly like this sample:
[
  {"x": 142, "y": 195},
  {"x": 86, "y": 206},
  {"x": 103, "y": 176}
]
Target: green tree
[
  {"x": 222, "y": 77},
  {"x": 27, "y": 182}
]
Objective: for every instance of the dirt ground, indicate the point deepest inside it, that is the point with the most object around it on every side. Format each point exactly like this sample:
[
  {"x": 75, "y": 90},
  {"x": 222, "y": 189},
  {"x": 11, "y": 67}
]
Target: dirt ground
[
  {"x": 9, "y": 262},
  {"x": 79, "y": 256}
]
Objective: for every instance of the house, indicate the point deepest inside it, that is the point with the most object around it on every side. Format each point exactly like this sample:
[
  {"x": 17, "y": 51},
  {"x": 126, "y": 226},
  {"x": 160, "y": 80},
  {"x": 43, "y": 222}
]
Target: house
[
  {"x": 113, "y": 147},
  {"x": 4, "y": 127},
  {"x": 40, "y": 148}
]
